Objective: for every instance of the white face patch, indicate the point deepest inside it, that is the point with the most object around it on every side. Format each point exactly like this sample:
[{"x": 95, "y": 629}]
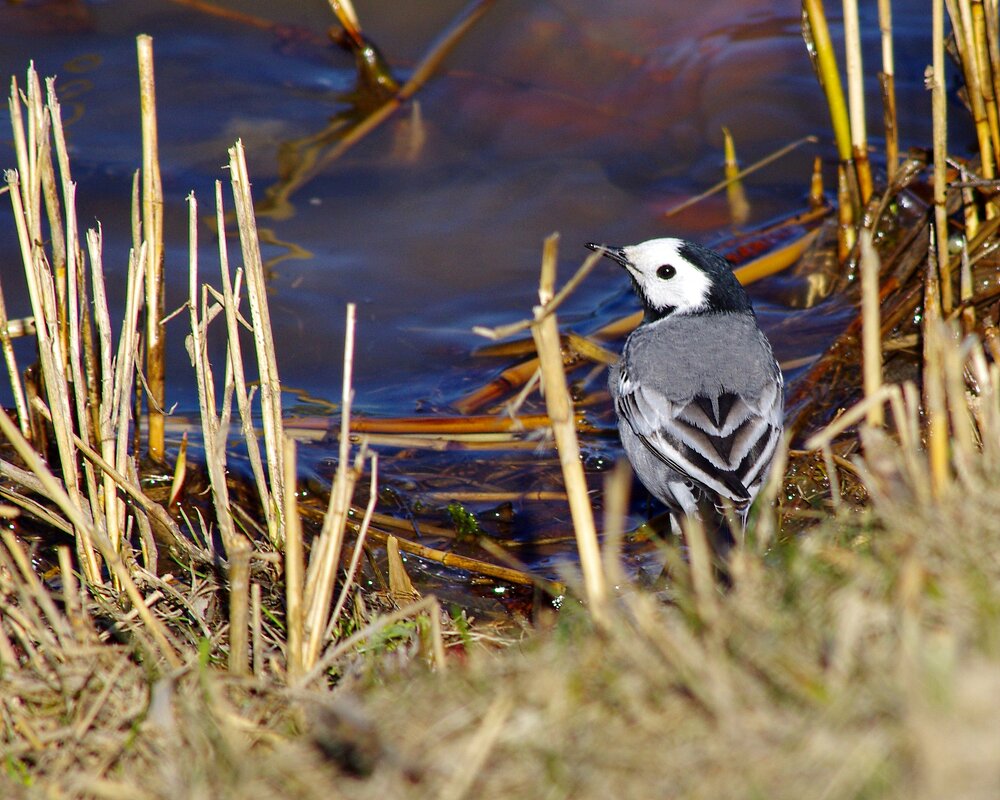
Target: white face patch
[{"x": 686, "y": 290}]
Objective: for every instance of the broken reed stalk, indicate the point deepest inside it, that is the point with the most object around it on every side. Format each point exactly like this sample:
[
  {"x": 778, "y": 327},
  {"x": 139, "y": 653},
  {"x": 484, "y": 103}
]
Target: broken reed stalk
[
  {"x": 152, "y": 231},
  {"x": 856, "y": 99},
  {"x": 256, "y": 637},
  {"x": 933, "y": 383},
  {"x": 239, "y": 607},
  {"x": 234, "y": 356},
  {"x": 116, "y": 407},
  {"x": 214, "y": 429},
  {"x": 52, "y": 357},
  {"x": 871, "y": 328},
  {"x": 887, "y": 81},
  {"x": 294, "y": 566},
  {"x": 560, "y": 409},
  {"x": 347, "y": 17},
  {"x": 991, "y": 34},
  {"x": 963, "y": 27},
  {"x": 981, "y": 34},
  {"x": 939, "y": 111},
  {"x": 359, "y": 546},
  {"x": 270, "y": 383},
  {"x": 325, "y": 557},
  {"x": 77, "y": 334},
  {"x": 739, "y": 207}
]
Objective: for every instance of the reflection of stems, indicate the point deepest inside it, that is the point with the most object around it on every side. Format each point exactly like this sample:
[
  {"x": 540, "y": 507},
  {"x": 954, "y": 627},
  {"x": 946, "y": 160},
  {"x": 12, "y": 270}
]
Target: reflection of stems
[{"x": 312, "y": 164}]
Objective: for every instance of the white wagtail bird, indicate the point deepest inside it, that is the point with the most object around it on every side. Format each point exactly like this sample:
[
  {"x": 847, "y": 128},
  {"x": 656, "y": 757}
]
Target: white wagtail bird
[{"x": 697, "y": 390}]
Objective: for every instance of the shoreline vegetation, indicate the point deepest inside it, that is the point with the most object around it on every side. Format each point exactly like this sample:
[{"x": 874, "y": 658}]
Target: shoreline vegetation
[{"x": 211, "y": 638}]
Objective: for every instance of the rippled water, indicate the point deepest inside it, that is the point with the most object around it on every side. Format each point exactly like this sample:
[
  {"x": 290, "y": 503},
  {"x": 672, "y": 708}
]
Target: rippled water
[{"x": 583, "y": 117}]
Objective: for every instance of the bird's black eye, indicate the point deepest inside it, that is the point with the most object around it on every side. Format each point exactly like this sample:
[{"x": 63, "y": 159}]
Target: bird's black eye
[{"x": 666, "y": 272}]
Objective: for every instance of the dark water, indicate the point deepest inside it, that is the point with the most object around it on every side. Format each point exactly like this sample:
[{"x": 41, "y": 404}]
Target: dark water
[
  {"x": 583, "y": 117},
  {"x": 579, "y": 116}
]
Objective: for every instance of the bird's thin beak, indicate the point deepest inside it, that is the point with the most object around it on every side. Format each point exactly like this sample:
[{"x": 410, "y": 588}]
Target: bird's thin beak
[{"x": 614, "y": 253}]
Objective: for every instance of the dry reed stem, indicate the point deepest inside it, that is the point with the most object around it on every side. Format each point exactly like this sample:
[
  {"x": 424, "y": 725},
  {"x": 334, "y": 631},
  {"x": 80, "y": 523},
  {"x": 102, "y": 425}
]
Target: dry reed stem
[
  {"x": 400, "y": 585},
  {"x": 256, "y": 637},
  {"x": 359, "y": 545},
  {"x": 971, "y": 215},
  {"x": 963, "y": 26},
  {"x": 270, "y": 383},
  {"x": 560, "y": 409},
  {"x": 887, "y": 80},
  {"x": 214, "y": 429},
  {"x": 294, "y": 566},
  {"x": 76, "y": 314},
  {"x": 846, "y": 230},
  {"x": 36, "y": 589},
  {"x": 871, "y": 326},
  {"x": 986, "y": 70},
  {"x": 180, "y": 471},
  {"x": 52, "y": 359},
  {"x": 933, "y": 384},
  {"x": 740, "y": 174},
  {"x": 234, "y": 355},
  {"x": 126, "y": 360},
  {"x": 769, "y": 518},
  {"x": 152, "y": 231},
  {"x": 818, "y": 34},
  {"x": 736, "y": 196},
  {"x": 347, "y": 16},
  {"x": 849, "y": 418},
  {"x": 939, "y": 110},
  {"x": 239, "y": 611},
  {"x": 324, "y": 561},
  {"x": 856, "y": 99},
  {"x": 991, "y": 25}
]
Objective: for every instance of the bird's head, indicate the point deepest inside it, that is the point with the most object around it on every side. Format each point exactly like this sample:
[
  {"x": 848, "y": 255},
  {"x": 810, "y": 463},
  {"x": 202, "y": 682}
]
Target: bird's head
[{"x": 674, "y": 276}]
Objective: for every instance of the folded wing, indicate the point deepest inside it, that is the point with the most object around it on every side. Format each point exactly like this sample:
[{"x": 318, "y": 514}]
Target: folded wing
[{"x": 722, "y": 443}]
